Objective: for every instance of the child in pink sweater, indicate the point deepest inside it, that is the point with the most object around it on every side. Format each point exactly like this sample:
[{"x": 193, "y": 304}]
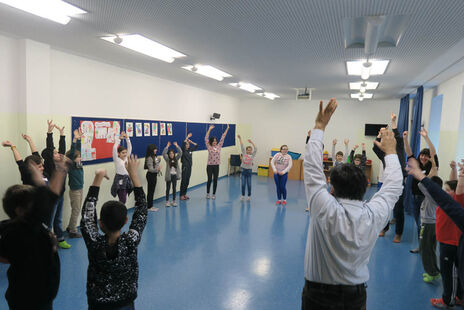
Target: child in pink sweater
[{"x": 214, "y": 159}]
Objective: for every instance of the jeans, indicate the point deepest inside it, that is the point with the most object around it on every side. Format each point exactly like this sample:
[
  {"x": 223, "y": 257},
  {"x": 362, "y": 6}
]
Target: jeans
[
  {"x": 281, "y": 182},
  {"x": 246, "y": 181},
  {"x": 168, "y": 187},
  {"x": 151, "y": 185},
  {"x": 448, "y": 269},
  {"x": 184, "y": 183},
  {"x": 56, "y": 219},
  {"x": 318, "y": 296},
  {"x": 213, "y": 173}
]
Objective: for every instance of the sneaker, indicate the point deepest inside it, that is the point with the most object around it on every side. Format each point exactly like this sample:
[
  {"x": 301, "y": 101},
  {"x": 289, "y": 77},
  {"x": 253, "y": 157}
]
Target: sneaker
[
  {"x": 242, "y": 198},
  {"x": 284, "y": 202},
  {"x": 186, "y": 197},
  {"x": 429, "y": 278},
  {"x": 438, "y": 303},
  {"x": 414, "y": 251},
  {"x": 382, "y": 233},
  {"x": 248, "y": 198},
  {"x": 174, "y": 204},
  {"x": 74, "y": 235},
  {"x": 64, "y": 245},
  {"x": 167, "y": 204},
  {"x": 397, "y": 239},
  {"x": 278, "y": 202},
  {"x": 183, "y": 198},
  {"x": 153, "y": 209},
  {"x": 207, "y": 196},
  {"x": 213, "y": 197}
]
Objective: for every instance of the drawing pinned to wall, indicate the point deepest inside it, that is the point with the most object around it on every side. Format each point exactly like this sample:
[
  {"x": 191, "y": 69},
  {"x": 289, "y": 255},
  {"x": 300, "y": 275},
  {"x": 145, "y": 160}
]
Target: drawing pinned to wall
[
  {"x": 169, "y": 126},
  {"x": 146, "y": 129},
  {"x": 162, "y": 129},
  {"x": 138, "y": 130},
  {"x": 130, "y": 129},
  {"x": 154, "y": 129},
  {"x": 101, "y": 130},
  {"x": 113, "y": 132},
  {"x": 88, "y": 130}
]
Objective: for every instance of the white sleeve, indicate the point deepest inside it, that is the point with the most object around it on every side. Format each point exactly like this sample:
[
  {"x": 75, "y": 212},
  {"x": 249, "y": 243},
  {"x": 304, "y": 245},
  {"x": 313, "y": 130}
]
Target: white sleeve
[
  {"x": 290, "y": 164},
  {"x": 129, "y": 147},
  {"x": 273, "y": 162},
  {"x": 315, "y": 182},
  {"x": 384, "y": 200},
  {"x": 115, "y": 149}
]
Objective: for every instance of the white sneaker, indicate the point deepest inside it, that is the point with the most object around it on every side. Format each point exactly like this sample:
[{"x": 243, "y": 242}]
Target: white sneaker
[
  {"x": 167, "y": 204},
  {"x": 153, "y": 209},
  {"x": 242, "y": 198},
  {"x": 248, "y": 198},
  {"x": 173, "y": 203},
  {"x": 207, "y": 196},
  {"x": 213, "y": 197}
]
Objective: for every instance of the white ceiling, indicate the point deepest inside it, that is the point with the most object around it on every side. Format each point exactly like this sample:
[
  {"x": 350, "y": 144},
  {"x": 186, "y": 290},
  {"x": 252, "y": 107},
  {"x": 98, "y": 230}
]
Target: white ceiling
[{"x": 276, "y": 44}]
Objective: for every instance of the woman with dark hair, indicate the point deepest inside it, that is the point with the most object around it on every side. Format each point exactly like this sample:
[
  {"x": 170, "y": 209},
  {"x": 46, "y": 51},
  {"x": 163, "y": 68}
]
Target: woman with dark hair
[
  {"x": 172, "y": 173},
  {"x": 281, "y": 164},
  {"x": 152, "y": 164},
  {"x": 122, "y": 185},
  {"x": 214, "y": 159}
]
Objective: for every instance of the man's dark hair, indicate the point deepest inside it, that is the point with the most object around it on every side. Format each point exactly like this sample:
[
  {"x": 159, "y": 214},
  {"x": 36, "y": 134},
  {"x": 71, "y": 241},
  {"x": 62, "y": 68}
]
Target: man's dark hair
[
  {"x": 18, "y": 196},
  {"x": 452, "y": 184},
  {"x": 425, "y": 152},
  {"x": 437, "y": 180},
  {"x": 348, "y": 182},
  {"x": 113, "y": 215}
]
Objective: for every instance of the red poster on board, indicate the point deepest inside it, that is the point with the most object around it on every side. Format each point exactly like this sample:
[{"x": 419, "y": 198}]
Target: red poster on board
[{"x": 98, "y": 139}]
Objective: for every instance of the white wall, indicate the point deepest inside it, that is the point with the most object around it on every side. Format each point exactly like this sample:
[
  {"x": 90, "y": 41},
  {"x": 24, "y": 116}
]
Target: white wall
[{"x": 287, "y": 122}]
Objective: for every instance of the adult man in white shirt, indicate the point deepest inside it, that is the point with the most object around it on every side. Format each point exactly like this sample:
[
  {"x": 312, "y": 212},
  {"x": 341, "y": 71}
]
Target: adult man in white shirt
[{"x": 343, "y": 229}]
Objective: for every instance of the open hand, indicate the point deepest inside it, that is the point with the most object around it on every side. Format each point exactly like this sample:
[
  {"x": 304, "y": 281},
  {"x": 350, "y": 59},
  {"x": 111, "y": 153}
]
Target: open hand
[
  {"x": 387, "y": 141},
  {"x": 414, "y": 169},
  {"x": 175, "y": 143},
  {"x": 423, "y": 132},
  {"x": 51, "y": 126},
  {"x": 249, "y": 141},
  {"x": 334, "y": 142},
  {"x": 355, "y": 147},
  {"x": 211, "y": 127},
  {"x": 393, "y": 117},
  {"x": 346, "y": 141},
  {"x": 132, "y": 165},
  {"x": 189, "y": 135},
  {"x": 238, "y": 136},
  {"x": 169, "y": 144},
  {"x": 453, "y": 164},
  {"x": 324, "y": 115},
  {"x": 7, "y": 143},
  {"x": 26, "y": 137},
  {"x": 60, "y": 129},
  {"x": 405, "y": 134}
]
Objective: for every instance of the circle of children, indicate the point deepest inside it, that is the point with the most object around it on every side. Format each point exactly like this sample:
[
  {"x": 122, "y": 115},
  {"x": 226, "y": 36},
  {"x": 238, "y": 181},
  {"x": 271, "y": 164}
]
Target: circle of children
[{"x": 35, "y": 210}]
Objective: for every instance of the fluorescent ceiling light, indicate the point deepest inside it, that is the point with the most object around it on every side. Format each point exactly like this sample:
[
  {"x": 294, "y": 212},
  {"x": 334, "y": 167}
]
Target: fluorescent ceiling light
[
  {"x": 271, "y": 96},
  {"x": 377, "y": 67},
  {"x": 55, "y": 10},
  {"x": 246, "y": 86},
  {"x": 367, "y": 85},
  {"x": 358, "y": 95},
  {"x": 208, "y": 71},
  {"x": 143, "y": 45}
]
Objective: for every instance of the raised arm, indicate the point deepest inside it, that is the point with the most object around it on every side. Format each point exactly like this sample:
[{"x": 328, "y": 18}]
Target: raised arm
[
  {"x": 346, "y": 150},
  {"x": 207, "y": 136},
  {"x": 384, "y": 200},
  {"x": 451, "y": 207},
  {"x": 255, "y": 149},
  {"x": 89, "y": 227},
  {"x": 425, "y": 135},
  {"x": 165, "y": 151},
  {"x": 139, "y": 219},
  {"x": 62, "y": 143},
  {"x": 221, "y": 142},
  {"x": 49, "y": 142},
  {"x": 31, "y": 144},
  {"x": 129, "y": 146},
  {"x": 407, "y": 147},
  {"x": 460, "y": 186},
  {"x": 16, "y": 155},
  {"x": 334, "y": 144},
  {"x": 454, "y": 171},
  {"x": 363, "y": 155},
  {"x": 179, "y": 151},
  {"x": 314, "y": 178}
]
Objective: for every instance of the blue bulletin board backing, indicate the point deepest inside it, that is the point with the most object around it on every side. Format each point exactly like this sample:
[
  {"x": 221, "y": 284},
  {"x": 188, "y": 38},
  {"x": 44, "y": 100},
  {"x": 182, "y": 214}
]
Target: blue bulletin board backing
[{"x": 146, "y": 132}]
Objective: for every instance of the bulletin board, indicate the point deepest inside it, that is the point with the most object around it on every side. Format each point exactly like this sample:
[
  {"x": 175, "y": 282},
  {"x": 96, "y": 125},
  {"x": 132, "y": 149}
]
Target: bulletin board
[{"x": 100, "y": 135}]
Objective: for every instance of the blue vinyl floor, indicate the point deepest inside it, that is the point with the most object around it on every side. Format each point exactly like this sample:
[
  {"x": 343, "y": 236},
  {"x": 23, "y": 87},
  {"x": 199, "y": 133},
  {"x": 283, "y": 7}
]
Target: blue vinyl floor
[{"x": 228, "y": 254}]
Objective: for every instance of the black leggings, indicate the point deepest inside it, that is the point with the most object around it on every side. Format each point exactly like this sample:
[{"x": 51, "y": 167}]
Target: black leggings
[
  {"x": 213, "y": 173},
  {"x": 168, "y": 187},
  {"x": 151, "y": 185}
]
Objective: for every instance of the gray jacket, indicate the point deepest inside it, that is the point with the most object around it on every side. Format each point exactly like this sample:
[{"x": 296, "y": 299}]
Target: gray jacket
[{"x": 167, "y": 175}]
